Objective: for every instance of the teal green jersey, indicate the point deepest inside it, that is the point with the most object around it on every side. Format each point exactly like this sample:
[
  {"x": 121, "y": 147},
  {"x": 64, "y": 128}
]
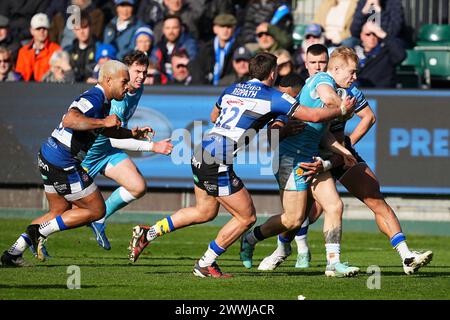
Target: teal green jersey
[
  {"x": 124, "y": 110},
  {"x": 306, "y": 143}
]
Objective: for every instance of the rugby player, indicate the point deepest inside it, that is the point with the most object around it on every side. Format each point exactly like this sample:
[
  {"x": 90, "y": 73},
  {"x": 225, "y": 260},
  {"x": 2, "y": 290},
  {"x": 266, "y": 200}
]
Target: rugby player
[
  {"x": 106, "y": 155},
  {"x": 358, "y": 180},
  {"x": 60, "y": 157},
  {"x": 319, "y": 91},
  {"x": 240, "y": 109}
]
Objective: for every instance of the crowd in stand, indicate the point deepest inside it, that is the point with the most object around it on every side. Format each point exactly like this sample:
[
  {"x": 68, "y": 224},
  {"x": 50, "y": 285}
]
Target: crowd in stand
[{"x": 191, "y": 42}]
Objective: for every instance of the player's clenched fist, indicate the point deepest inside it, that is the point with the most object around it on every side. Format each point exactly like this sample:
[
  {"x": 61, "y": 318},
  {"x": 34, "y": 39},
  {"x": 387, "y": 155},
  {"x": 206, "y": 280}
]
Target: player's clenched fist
[
  {"x": 163, "y": 147},
  {"x": 112, "y": 121}
]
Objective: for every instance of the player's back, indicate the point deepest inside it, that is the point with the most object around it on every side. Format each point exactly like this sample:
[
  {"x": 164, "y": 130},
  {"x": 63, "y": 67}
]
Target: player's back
[
  {"x": 246, "y": 106},
  {"x": 306, "y": 143}
]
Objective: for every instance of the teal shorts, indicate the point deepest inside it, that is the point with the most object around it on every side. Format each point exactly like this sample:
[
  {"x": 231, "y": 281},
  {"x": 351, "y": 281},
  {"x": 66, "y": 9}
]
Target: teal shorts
[
  {"x": 94, "y": 166},
  {"x": 290, "y": 175}
]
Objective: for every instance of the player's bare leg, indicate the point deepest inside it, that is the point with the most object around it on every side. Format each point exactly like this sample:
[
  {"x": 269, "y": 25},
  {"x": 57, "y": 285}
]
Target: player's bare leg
[
  {"x": 295, "y": 205},
  {"x": 364, "y": 185},
  {"x": 241, "y": 207},
  {"x": 132, "y": 186},
  {"x": 206, "y": 209}
]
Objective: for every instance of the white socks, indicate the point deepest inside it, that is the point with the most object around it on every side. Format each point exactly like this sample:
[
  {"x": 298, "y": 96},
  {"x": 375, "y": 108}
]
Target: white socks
[{"x": 333, "y": 252}]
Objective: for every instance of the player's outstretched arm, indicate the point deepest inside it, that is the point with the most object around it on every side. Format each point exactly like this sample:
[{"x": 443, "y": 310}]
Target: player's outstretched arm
[
  {"x": 162, "y": 147},
  {"x": 76, "y": 120},
  {"x": 305, "y": 113}
]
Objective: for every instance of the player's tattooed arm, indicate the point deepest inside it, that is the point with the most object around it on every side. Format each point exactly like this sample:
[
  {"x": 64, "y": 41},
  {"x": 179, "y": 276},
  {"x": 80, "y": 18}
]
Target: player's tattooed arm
[{"x": 76, "y": 120}]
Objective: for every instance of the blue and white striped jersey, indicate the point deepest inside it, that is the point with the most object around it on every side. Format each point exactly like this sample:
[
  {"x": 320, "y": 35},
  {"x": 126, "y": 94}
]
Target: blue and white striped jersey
[
  {"x": 245, "y": 106},
  {"x": 124, "y": 109},
  {"x": 361, "y": 102},
  {"x": 66, "y": 147}
]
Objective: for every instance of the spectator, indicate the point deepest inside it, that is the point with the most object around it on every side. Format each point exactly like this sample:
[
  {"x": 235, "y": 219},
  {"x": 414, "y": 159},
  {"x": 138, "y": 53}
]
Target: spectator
[
  {"x": 60, "y": 70},
  {"x": 6, "y": 38},
  {"x": 240, "y": 72},
  {"x": 33, "y": 59},
  {"x": 150, "y": 12},
  {"x": 6, "y": 66},
  {"x": 120, "y": 31},
  {"x": 313, "y": 35},
  {"x": 212, "y": 8},
  {"x": 335, "y": 16},
  {"x": 82, "y": 51},
  {"x": 214, "y": 60},
  {"x": 275, "y": 12},
  {"x": 61, "y": 32},
  {"x": 104, "y": 52},
  {"x": 270, "y": 38},
  {"x": 379, "y": 55},
  {"x": 285, "y": 64},
  {"x": 388, "y": 13},
  {"x": 143, "y": 40},
  {"x": 153, "y": 75},
  {"x": 189, "y": 14},
  {"x": 180, "y": 74},
  {"x": 173, "y": 39},
  {"x": 20, "y": 13}
]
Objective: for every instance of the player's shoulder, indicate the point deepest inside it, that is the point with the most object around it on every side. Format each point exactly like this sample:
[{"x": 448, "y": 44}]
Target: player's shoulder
[
  {"x": 95, "y": 95},
  {"x": 322, "y": 77}
]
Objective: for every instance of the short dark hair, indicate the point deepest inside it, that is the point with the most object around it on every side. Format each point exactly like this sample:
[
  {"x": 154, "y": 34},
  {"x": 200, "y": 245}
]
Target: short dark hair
[
  {"x": 291, "y": 80},
  {"x": 261, "y": 65},
  {"x": 173, "y": 16},
  {"x": 136, "y": 56},
  {"x": 85, "y": 18},
  {"x": 317, "y": 49},
  {"x": 181, "y": 52}
]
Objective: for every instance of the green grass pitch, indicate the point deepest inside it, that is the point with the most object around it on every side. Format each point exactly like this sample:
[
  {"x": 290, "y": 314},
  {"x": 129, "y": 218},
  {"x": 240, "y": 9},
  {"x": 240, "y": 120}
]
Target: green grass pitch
[{"x": 164, "y": 270}]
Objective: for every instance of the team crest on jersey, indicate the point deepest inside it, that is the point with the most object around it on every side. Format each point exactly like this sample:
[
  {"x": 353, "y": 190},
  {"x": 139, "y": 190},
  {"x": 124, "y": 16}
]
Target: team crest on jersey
[
  {"x": 299, "y": 171},
  {"x": 235, "y": 182}
]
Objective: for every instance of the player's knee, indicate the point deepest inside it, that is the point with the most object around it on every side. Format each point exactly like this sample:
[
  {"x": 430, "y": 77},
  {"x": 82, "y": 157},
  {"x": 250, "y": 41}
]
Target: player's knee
[
  {"x": 336, "y": 208},
  {"x": 292, "y": 222},
  {"x": 138, "y": 189},
  {"x": 249, "y": 221},
  {"x": 97, "y": 213}
]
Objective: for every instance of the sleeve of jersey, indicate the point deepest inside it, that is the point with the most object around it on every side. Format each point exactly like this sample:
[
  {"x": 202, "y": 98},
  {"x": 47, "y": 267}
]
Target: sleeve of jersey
[
  {"x": 323, "y": 78},
  {"x": 283, "y": 104},
  {"x": 219, "y": 101},
  {"x": 361, "y": 101},
  {"x": 88, "y": 105}
]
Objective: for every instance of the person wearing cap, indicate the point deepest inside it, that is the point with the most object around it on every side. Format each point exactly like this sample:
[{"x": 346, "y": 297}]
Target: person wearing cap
[
  {"x": 83, "y": 48},
  {"x": 6, "y": 38},
  {"x": 120, "y": 31},
  {"x": 336, "y": 16},
  {"x": 214, "y": 60},
  {"x": 173, "y": 39},
  {"x": 241, "y": 58},
  {"x": 143, "y": 40},
  {"x": 104, "y": 53},
  {"x": 33, "y": 59}
]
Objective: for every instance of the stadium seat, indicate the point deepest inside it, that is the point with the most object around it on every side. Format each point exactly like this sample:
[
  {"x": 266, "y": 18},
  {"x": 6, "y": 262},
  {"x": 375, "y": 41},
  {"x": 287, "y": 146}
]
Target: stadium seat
[
  {"x": 413, "y": 72},
  {"x": 438, "y": 62},
  {"x": 434, "y": 35},
  {"x": 297, "y": 34}
]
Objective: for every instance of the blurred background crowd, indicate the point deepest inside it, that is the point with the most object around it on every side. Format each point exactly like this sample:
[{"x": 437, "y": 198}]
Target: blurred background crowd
[{"x": 209, "y": 42}]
